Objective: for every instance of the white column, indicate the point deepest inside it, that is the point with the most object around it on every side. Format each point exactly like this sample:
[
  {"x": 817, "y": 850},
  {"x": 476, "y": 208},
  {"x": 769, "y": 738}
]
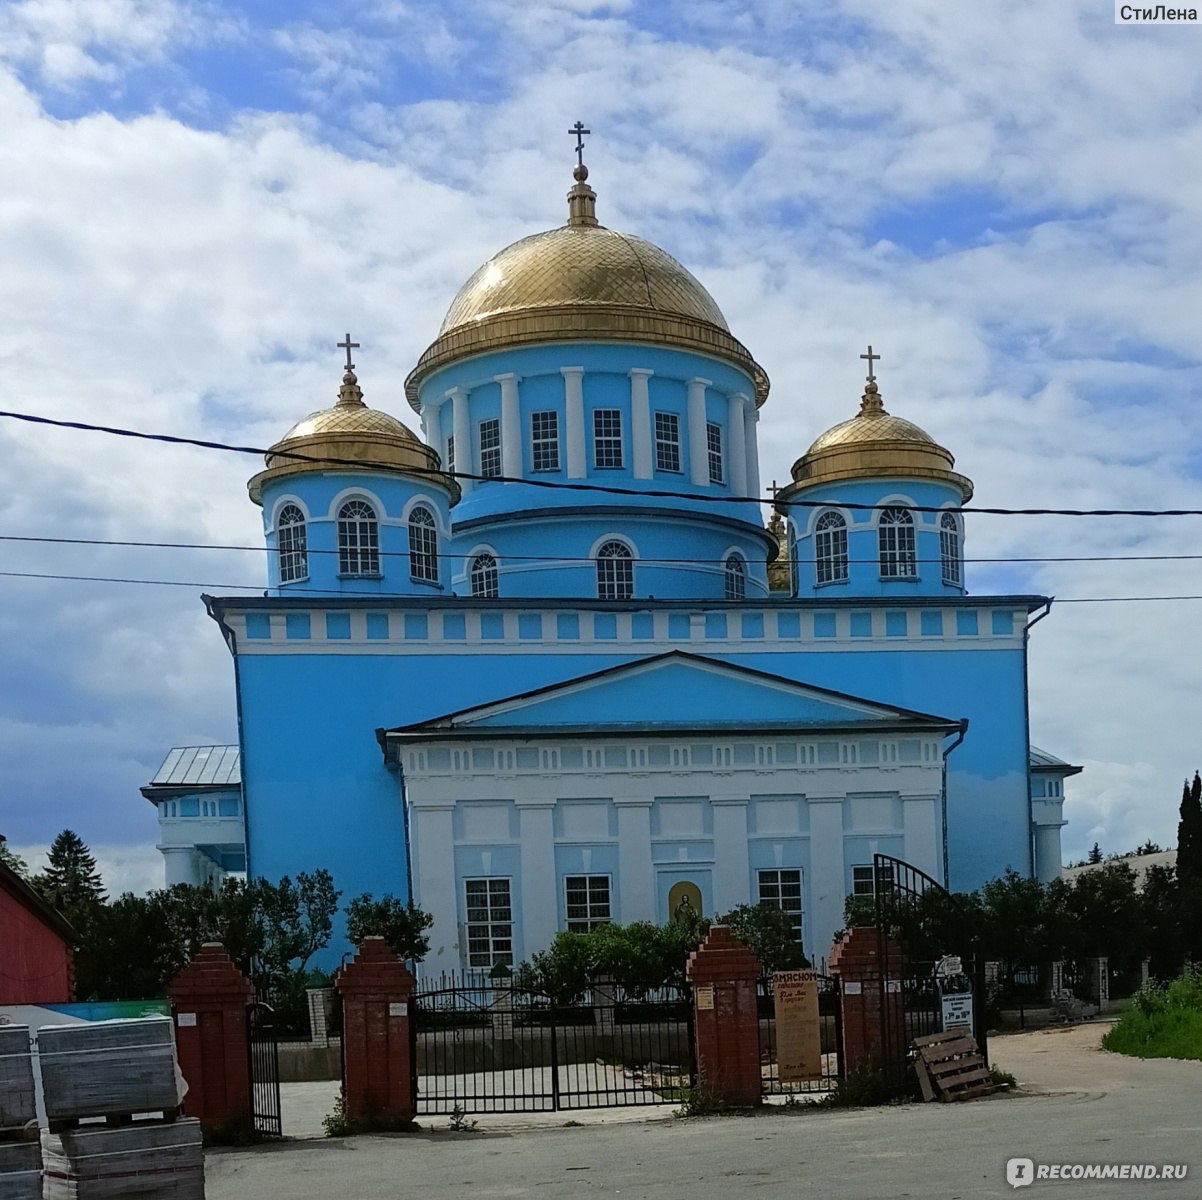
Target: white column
[
  {"x": 540, "y": 912},
  {"x": 736, "y": 444},
  {"x": 732, "y": 871},
  {"x": 751, "y": 416},
  {"x": 699, "y": 469},
  {"x": 636, "y": 873},
  {"x": 640, "y": 423},
  {"x": 465, "y": 456},
  {"x": 429, "y": 415},
  {"x": 180, "y": 866},
  {"x": 920, "y": 829},
  {"x": 1047, "y": 851},
  {"x": 573, "y": 392},
  {"x": 434, "y": 883},
  {"x": 511, "y": 426},
  {"x": 827, "y": 884}
]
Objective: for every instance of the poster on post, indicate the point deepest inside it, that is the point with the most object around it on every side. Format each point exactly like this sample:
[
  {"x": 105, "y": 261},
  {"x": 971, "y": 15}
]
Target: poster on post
[{"x": 798, "y": 1032}]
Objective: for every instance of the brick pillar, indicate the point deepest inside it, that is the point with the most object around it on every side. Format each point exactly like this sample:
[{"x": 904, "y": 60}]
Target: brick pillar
[
  {"x": 856, "y": 959},
  {"x": 377, "y": 1078},
  {"x": 209, "y": 1000},
  {"x": 724, "y": 975}
]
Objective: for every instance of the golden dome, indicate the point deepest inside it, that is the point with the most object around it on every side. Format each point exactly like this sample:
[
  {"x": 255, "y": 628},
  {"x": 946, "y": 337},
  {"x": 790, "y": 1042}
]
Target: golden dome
[
  {"x": 582, "y": 282},
  {"x": 349, "y": 434},
  {"x": 875, "y": 444}
]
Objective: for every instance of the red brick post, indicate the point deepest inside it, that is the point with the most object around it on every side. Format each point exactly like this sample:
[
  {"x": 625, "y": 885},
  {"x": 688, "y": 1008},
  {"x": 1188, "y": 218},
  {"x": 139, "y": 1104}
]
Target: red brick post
[
  {"x": 377, "y": 1072},
  {"x": 856, "y": 959},
  {"x": 724, "y": 975},
  {"x": 209, "y": 1000}
]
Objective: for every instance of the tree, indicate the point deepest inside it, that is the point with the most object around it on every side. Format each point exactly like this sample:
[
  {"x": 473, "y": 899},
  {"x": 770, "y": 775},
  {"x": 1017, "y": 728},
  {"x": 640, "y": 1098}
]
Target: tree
[
  {"x": 1189, "y": 834},
  {"x": 71, "y": 881},
  {"x": 769, "y": 933},
  {"x": 1149, "y": 847},
  {"x": 12, "y": 860},
  {"x": 402, "y": 926},
  {"x": 1095, "y": 854},
  {"x": 1160, "y": 899}
]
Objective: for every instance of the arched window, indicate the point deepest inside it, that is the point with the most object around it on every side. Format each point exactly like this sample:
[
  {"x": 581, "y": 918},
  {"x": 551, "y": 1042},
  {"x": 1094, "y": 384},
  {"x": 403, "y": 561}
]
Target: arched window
[
  {"x": 736, "y": 578},
  {"x": 615, "y": 572},
  {"x": 292, "y": 544},
  {"x": 423, "y": 546},
  {"x": 830, "y": 548},
  {"x": 358, "y": 539},
  {"x": 895, "y": 540},
  {"x": 949, "y": 550},
  {"x": 483, "y": 575}
]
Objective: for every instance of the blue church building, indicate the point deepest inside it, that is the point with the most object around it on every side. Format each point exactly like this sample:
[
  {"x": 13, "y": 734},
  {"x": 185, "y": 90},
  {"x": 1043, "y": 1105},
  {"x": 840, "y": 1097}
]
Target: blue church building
[{"x": 544, "y": 666}]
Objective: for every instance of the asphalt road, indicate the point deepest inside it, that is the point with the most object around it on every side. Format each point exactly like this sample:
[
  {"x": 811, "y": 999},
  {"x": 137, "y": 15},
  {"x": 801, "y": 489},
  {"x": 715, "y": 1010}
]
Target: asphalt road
[{"x": 1078, "y": 1105}]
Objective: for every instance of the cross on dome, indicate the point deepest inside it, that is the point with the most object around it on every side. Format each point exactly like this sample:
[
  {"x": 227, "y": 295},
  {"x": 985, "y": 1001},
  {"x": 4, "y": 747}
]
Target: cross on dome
[
  {"x": 871, "y": 359},
  {"x": 578, "y": 131},
  {"x": 348, "y": 346}
]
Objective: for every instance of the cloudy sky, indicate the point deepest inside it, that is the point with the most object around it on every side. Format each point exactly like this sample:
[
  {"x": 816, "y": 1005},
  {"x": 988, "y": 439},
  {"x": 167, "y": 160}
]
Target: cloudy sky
[{"x": 200, "y": 198}]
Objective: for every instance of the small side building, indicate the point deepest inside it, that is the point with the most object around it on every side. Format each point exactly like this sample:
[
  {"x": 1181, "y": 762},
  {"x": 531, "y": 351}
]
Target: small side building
[{"x": 37, "y": 963}]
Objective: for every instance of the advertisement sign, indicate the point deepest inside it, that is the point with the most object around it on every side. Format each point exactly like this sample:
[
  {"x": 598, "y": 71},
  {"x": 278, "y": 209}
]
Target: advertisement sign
[{"x": 798, "y": 1035}]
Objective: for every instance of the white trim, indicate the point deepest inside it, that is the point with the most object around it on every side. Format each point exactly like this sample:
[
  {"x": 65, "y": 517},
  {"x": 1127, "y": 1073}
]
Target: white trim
[
  {"x": 574, "y": 435},
  {"x": 894, "y": 501},
  {"x": 461, "y": 431},
  {"x": 815, "y": 513},
  {"x": 443, "y": 526},
  {"x": 511, "y": 425},
  {"x": 751, "y": 418},
  {"x": 356, "y": 493},
  {"x": 699, "y": 467},
  {"x": 614, "y": 537},
  {"x": 640, "y": 422},
  {"x": 736, "y": 443},
  {"x": 274, "y": 523}
]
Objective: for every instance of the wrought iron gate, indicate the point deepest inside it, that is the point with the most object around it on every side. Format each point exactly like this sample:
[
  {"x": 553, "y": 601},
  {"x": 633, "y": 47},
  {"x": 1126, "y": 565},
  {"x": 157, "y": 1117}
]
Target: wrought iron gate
[
  {"x": 264, "y": 1070},
  {"x": 830, "y": 1032},
  {"x": 484, "y": 1045},
  {"x": 918, "y": 922}
]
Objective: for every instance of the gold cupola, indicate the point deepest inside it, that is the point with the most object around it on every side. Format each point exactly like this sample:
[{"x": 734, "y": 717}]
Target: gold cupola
[
  {"x": 349, "y": 437},
  {"x": 875, "y": 444},
  {"x": 582, "y": 282}
]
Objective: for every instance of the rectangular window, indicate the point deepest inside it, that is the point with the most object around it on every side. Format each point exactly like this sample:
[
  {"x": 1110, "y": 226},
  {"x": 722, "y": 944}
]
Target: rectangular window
[
  {"x": 490, "y": 448},
  {"x": 607, "y": 438},
  {"x": 544, "y": 441},
  {"x": 451, "y": 453},
  {"x": 781, "y": 889},
  {"x": 861, "y": 880},
  {"x": 489, "y": 923},
  {"x": 667, "y": 442},
  {"x": 587, "y": 902},
  {"x": 713, "y": 441}
]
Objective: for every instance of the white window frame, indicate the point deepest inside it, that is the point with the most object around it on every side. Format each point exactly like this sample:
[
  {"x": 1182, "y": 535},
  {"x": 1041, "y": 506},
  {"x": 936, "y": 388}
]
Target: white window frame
[
  {"x": 483, "y": 576},
  {"x": 358, "y": 540},
  {"x": 897, "y": 544},
  {"x": 492, "y": 929},
  {"x": 597, "y": 902},
  {"x": 667, "y": 442},
  {"x": 864, "y": 877},
  {"x": 951, "y": 564},
  {"x": 713, "y": 447},
  {"x": 423, "y": 545},
  {"x": 770, "y": 884},
  {"x": 451, "y": 454},
  {"x": 608, "y": 448},
  {"x": 490, "y": 448},
  {"x": 292, "y": 544},
  {"x": 830, "y": 548},
  {"x": 544, "y": 440},
  {"x": 734, "y": 572},
  {"x": 615, "y": 571}
]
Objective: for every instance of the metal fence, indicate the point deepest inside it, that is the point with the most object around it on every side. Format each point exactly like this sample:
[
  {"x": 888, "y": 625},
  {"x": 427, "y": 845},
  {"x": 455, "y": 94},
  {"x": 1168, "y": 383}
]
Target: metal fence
[
  {"x": 830, "y": 1031},
  {"x": 485, "y": 1045},
  {"x": 264, "y": 1051}
]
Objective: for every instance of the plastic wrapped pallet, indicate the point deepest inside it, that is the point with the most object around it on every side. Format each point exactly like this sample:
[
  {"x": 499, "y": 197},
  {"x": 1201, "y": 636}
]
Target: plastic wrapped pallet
[
  {"x": 20, "y": 1171},
  {"x": 103, "y": 1067},
  {"x": 146, "y": 1160},
  {"x": 17, "y": 1103}
]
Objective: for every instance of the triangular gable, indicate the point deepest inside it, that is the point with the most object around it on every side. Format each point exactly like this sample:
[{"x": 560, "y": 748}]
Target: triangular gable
[{"x": 676, "y": 690}]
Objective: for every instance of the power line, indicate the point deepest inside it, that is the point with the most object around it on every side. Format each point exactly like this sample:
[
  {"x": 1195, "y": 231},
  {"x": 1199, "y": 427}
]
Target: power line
[{"x": 562, "y": 485}]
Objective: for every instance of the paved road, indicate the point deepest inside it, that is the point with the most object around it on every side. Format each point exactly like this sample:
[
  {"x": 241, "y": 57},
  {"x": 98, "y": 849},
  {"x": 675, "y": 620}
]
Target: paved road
[{"x": 1079, "y": 1105}]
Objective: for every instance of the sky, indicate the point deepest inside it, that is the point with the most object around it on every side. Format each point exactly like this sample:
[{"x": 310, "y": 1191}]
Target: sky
[{"x": 200, "y": 199}]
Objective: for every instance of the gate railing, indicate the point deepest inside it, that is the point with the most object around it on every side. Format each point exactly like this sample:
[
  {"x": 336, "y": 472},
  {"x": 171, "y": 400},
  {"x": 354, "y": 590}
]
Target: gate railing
[{"x": 264, "y": 1070}]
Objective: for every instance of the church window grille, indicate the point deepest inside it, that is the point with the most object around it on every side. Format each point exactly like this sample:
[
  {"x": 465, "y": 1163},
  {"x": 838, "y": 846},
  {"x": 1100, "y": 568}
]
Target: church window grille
[
  {"x": 830, "y": 549},
  {"x": 293, "y": 543},
  {"x": 607, "y": 438},
  {"x": 423, "y": 546},
  {"x": 667, "y": 442},
  {"x": 863, "y": 883},
  {"x": 736, "y": 578},
  {"x": 490, "y": 448},
  {"x": 451, "y": 454},
  {"x": 781, "y": 890},
  {"x": 544, "y": 441},
  {"x": 949, "y": 550},
  {"x": 895, "y": 540},
  {"x": 615, "y": 572},
  {"x": 483, "y": 575},
  {"x": 713, "y": 443},
  {"x": 358, "y": 539},
  {"x": 586, "y": 902},
  {"x": 489, "y": 923}
]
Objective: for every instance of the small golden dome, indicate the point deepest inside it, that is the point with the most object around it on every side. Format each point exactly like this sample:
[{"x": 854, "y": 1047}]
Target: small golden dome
[
  {"x": 349, "y": 433},
  {"x": 875, "y": 444},
  {"x": 579, "y": 282}
]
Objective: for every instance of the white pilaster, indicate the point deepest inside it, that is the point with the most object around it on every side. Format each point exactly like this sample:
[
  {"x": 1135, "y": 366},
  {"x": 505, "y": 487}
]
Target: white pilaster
[
  {"x": 540, "y": 912},
  {"x": 736, "y": 444},
  {"x": 511, "y": 426},
  {"x": 732, "y": 873},
  {"x": 640, "y": 423},
  {"x": 636, "y": 871},
  {"x": 920, "y": 826},
  {"x": 465, "y": 455},
  {"x": 573, "y": 394},
  {"x": 699, "y": 469},
  {"x": 827, "y": 882},
  {"x": 751, "y": 416},
  {"x": 434, "y": 884}
]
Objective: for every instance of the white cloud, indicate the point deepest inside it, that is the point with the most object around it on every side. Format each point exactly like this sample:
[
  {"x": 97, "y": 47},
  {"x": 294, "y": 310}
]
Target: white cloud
[{"x": 136, "y": 868}]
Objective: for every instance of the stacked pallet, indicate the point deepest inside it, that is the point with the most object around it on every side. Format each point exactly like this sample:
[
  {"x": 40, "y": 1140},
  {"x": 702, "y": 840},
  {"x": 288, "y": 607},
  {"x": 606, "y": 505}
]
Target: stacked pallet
[
  {"x": 20, "y": 1154},
  {"x": 144, "y": 1160},
  {"x": 950, "y": 1067}
]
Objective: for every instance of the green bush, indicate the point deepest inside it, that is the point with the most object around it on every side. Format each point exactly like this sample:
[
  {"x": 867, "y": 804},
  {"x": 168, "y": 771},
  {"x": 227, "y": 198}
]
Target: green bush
[{"x": 1165, "y": 1021}]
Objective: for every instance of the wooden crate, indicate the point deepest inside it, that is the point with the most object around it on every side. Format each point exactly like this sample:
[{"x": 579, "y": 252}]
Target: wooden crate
[
  {"x": 950, "y": 1067},
  {"x": 104, "y": 1068},
  {"x": 17, "y": 1104},
  {"x": 20, "y": 1170},
  {"x": 148, "y": 1160}
]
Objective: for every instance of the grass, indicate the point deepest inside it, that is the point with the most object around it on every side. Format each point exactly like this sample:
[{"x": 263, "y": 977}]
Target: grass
[{"x": 1164, "y": 1021}]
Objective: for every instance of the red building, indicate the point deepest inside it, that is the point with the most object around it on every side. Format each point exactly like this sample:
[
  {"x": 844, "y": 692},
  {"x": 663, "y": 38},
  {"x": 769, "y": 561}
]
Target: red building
[{"x": 36, "y": 960}]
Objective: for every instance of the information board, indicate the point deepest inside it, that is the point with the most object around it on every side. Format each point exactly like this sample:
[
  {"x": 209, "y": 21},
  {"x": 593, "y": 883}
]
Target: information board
[{"x": 798, "y": 1030}]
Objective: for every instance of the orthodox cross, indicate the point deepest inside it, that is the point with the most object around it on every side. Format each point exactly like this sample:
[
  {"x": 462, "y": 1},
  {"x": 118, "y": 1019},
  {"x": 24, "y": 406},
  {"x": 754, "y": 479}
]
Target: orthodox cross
[
  {"x": 578, "y": 131},
  {"x": 871, "y": 359},
  {"x": 348, "y": 346}
]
